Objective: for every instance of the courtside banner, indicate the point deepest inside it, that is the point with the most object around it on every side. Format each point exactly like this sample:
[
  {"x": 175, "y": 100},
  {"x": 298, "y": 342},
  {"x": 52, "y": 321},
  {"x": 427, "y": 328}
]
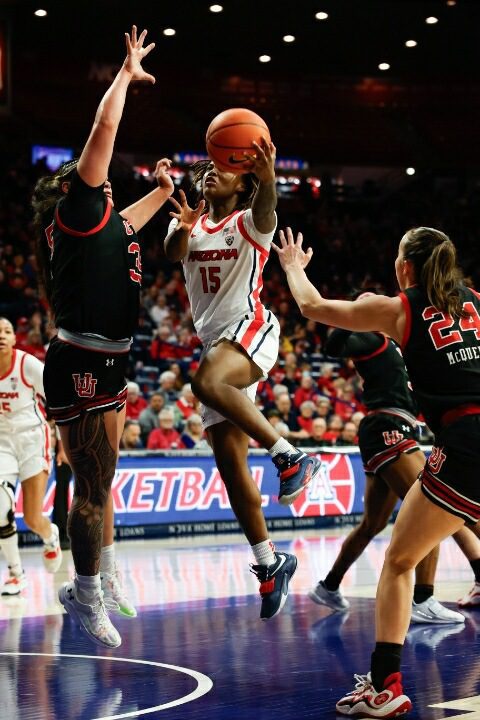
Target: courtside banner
[{"x": 180, "y": 494}]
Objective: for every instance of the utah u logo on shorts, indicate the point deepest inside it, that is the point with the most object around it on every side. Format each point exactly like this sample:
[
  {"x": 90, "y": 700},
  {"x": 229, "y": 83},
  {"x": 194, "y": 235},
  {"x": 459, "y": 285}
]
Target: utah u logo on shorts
[
  {"x": 392, "y": 437},
  {"x": 84, "y": 387},
  {"x": 436, "y": 460}
]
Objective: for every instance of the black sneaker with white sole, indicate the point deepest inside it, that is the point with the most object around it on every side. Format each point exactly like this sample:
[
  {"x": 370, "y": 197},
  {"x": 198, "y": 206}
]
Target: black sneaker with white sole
[{"x": 274, "y": 581}]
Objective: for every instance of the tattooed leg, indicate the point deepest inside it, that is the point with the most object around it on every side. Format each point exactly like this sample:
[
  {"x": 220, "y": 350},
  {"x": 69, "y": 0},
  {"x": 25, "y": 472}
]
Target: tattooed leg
[{"x": 90, "y": 445}]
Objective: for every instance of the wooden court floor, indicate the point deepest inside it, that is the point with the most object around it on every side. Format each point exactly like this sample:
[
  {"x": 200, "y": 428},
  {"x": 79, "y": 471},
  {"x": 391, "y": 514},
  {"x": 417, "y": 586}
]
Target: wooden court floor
[{"x": 198, "y": 650}]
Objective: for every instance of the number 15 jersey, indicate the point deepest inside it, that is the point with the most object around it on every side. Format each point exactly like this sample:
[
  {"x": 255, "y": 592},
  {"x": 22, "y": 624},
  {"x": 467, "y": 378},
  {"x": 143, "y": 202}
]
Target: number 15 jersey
[{"x": 223, "y": 273}]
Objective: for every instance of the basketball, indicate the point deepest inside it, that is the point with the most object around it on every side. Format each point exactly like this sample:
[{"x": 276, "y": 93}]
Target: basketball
[{"x": 230, "y": 136}]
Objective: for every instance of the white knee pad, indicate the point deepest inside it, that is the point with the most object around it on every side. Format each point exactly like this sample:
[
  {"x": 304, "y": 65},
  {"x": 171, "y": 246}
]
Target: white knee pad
[{"x": 8, "y": 525}]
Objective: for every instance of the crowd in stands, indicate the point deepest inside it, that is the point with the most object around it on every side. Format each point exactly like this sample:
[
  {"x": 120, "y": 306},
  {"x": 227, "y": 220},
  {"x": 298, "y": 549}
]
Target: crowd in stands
[{"x": 310, "y": 398}]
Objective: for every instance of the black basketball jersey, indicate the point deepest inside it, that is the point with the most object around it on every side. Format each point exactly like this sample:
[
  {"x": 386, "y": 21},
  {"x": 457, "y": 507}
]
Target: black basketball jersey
[
  {"x": 379, "y": 362},
  {"x": 95, "y": 265},
  {"x": 442, "y": 354}
]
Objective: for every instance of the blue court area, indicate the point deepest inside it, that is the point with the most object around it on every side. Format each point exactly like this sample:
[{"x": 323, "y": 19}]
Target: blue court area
[{"x": 211, "y": 657}]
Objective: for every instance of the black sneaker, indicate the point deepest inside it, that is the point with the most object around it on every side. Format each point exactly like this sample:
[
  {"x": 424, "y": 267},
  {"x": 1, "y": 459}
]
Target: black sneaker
[
  {"x": 274, "y": 581},
  {"x": 296, "y": 471}
]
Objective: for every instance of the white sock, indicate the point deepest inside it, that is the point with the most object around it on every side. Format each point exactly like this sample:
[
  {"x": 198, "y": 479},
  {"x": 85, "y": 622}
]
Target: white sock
[
  {"x": 53, "y": 539},
  {"x": 107, "y": 559},
  {"x": 12, "y": 554},
  {"x": 263, "y": 552},
  {"x": 282, "y": 446},
  {"x": 88, "y": 588}
]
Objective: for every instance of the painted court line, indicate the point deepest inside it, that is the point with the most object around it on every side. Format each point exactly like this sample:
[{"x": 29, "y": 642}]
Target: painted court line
[{"x": 204, "y": 683}]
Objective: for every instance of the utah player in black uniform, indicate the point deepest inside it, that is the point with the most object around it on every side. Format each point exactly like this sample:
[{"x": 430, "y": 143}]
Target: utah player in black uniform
[
  {"x": 392, "y": 461},
  {"x": 92, "y": 270},
  {"x": 436, "y": 320}
]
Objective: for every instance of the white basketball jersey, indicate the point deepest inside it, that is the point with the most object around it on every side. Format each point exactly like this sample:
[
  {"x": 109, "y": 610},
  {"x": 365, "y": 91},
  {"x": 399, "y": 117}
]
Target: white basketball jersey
[
  {"x": 223, "y": 272},
  {"x": 20, "y": 390}
]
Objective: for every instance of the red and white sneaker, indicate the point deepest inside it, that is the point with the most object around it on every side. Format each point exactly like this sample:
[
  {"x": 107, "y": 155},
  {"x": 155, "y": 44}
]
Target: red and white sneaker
[
  {"x": 52, "y": 553},
  {"x": 366, "y": 702},
  {"x": 472, "y": 598},
  {"x": 14, "y": 585}
]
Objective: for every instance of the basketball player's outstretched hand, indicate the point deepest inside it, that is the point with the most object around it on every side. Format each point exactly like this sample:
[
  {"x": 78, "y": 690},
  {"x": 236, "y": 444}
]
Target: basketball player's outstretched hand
[
  {"x": 135, "y": 54},
  {"x": 161, "y": 175},
  {"x": 263, "y": 162},
  {"x": 186, "y": 216},
  {"x": 290, "y": 252}
]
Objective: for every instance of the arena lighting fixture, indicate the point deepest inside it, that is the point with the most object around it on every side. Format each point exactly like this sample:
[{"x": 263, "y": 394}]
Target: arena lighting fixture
[
  {"x": 321, "y": 15},
  {"x": 169, "y": 32},
  {"x": 411, "y": 43},
  {"x": 40, "y": 12},
  {"x": 216, "y": 8},
  {"x": 264, "y": 58},
  {"x": 431, "y": 20},
  {"x": 288, "y": 38},
  {"x": 384, "y": 66},
  {"x": 410, "y": 171},
  {"x": 451, "y": 2}
]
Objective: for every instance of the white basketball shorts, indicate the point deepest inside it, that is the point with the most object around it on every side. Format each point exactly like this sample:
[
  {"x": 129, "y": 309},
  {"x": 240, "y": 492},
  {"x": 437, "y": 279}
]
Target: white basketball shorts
[
  {"x": 259, "y": 338},
  {"x": 25, "y": 454}
]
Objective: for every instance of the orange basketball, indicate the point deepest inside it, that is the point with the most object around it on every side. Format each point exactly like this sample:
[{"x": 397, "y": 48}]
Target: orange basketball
[{"x": 230, "y": 136}]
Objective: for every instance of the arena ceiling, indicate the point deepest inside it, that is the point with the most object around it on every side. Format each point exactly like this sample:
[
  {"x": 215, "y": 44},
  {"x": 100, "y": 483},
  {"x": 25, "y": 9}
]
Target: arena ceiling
[
  {"x": 323, "y": 94},
  {"x": 356, "y": 37}
]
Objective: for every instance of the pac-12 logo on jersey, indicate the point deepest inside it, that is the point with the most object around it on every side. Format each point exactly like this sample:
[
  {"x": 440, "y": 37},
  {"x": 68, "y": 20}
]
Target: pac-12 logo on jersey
[
  {"x": 84, "y": 386},
  {"x": 14, "y": 382},
  {"x": 229, "y": 236}
]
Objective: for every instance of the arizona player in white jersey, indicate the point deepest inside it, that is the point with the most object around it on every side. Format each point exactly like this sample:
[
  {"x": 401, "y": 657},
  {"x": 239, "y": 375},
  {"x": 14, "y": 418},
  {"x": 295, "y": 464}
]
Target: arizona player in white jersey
[
  {"x": 24, "y": 454},
  {"x": 224, "y": 252}
]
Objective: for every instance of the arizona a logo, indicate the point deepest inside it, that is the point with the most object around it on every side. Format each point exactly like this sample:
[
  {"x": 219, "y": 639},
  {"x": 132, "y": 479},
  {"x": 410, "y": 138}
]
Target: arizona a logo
[
  {"x": 84, "y": 386},
  {"x": 332, "y": 492}
]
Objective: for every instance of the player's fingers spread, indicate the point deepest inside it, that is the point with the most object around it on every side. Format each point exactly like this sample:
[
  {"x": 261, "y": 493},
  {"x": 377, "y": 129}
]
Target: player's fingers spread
[
  {"x": 290, "y": 236},
  {"x": 128, "y": 43},
  {"x": 299, "y": 239},
  {"x": 310, "y": 252},
  {"x": 281, "y": 235},
  {"x": 148, "y": 49},
  {"x": 175, "y": 202},
  {"x": 149, "y": 78},
  {"x": 260, "y": 151},
  {"x": 134, "y": 34}
]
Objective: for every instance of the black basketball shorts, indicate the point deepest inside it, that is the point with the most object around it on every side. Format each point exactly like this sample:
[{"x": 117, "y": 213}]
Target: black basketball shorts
[
  {"x": 78, "y": 381},
  {"x": 382, "y": 438},
  {"x": 450, "y": 477}
]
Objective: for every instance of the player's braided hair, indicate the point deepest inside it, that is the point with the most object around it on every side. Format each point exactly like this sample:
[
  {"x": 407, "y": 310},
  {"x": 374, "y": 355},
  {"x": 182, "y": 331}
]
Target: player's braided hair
[
  {"x": 46, "y": 194},
  {"x": 435, "y": 261},
  {"x": 245, "y": 199}
]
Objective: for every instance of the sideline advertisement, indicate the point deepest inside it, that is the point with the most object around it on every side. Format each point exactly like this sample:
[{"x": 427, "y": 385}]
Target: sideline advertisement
[{"x": 160, "y": 495}]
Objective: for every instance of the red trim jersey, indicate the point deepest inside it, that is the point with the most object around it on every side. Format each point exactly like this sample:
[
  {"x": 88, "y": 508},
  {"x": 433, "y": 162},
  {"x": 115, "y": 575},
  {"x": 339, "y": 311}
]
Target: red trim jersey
[
  {"x": 442, "y": 354},
  {"x": 21, "y": 394},
  {"x": 379, "y": 362},
  {"x": 95, "y": 265},
  {"x": 223, "y": 273}
]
